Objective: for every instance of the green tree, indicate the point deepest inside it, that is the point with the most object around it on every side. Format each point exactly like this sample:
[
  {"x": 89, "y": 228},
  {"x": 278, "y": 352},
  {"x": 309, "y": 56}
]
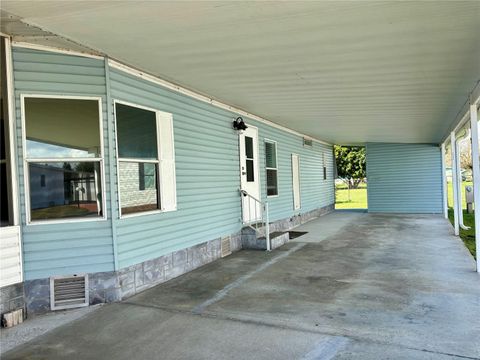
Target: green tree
[{"x": 351, "y": 164}]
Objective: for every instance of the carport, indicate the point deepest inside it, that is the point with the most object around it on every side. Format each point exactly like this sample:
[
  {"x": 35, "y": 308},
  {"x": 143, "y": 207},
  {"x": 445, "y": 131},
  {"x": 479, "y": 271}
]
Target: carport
[{"x": 401, "y": 78}]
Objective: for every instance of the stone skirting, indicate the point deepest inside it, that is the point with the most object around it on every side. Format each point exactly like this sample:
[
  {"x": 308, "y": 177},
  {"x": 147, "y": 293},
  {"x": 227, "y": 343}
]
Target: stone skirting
[
  {"x": 114, "y": 286},
  {"x": 12, "y": 297},
  {"x": 296, "y": 220},
  {"x": 251, "y": 240}
]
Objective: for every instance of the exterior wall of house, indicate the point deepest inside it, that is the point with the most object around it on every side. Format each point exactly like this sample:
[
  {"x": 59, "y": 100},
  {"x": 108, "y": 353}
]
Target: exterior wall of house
[
  {"x": 404, "y": 178},
  {"x": 315, "y": 192},
  {"x": 66, "y": 248},
  {"x": 124, "y": 255},
  {"x": 208, "y": 175}
]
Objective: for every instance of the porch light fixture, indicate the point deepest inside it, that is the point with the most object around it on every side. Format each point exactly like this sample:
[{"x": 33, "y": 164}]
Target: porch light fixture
[{"x": 239, "y": 124}]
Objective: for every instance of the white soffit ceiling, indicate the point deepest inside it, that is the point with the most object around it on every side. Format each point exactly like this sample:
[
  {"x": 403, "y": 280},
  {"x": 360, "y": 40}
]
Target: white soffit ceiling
[{"x": 345, "y": 72}]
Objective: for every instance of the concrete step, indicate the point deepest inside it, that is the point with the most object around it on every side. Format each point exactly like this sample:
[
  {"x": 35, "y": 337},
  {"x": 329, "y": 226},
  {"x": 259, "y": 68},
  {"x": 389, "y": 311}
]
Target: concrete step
[{"x": 277, "y": 239}]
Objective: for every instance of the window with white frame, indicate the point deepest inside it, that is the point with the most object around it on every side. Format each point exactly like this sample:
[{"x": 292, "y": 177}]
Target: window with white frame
[
  {"x": 146, "y": 166},
  {"x": 63, "y": 158},
  {"x": 271, "y": 167}
]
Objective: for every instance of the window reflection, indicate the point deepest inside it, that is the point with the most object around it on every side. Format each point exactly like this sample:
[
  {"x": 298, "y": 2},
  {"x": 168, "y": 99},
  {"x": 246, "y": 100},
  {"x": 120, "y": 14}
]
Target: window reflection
[
  {"x": 65, "y": 190},
  {"x": 62, "y": 128},
  {"x": 137, "y": 137},
  {"x": 138, "y": 187}
]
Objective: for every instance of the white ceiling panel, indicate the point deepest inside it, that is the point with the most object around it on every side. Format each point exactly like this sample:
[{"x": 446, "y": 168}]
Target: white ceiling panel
[{"x": 345, "y": 72}]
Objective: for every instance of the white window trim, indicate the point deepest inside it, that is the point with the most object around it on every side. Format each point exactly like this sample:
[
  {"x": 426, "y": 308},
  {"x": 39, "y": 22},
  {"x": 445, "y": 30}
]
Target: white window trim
[
  {"x": 159, "y": 195},
  {"x": 299, "y": 184},
  {"x": 96, "y": 159},
  {"x": 15, "y": 206},
  {"x": 324, "y": 168},
  {"x": 265, "y": 140},
  {"x": 14, "y": 228}
]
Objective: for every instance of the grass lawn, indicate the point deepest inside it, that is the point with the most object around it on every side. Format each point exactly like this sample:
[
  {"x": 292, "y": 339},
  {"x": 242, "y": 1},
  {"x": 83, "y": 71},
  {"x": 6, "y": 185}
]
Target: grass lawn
[
  {"x": 450, "y": 193},
  {"x": 468, "y": 236},
  {"x": 358, "y": 197},
  {"x": 358, "y": 200}
]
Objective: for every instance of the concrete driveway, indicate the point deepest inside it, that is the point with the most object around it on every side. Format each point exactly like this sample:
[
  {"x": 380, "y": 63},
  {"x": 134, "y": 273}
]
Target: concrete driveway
[{"x": 357, "y": 286}]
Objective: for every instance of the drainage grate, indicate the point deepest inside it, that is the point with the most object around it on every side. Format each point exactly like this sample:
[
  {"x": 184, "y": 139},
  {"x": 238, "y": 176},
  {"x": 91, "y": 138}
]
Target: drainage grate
[
  {"x": 68, "y": 291},
  {"x": 226, "y": 250}
]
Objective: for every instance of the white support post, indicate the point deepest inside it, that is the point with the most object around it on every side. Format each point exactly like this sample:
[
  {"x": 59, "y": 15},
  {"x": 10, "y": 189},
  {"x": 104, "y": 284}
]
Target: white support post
[
  {"x": 476, "y": 177},
  {"x": 459, "y": 183},
  {"x": 453, "y": 145},
  {"x": 267, "y": 228},
  {"x": 444, "y": 183}
]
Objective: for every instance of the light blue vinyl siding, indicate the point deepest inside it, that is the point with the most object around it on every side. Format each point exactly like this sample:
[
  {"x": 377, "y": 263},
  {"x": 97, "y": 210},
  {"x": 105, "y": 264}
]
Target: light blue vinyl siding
[
  {"x": 315, "y": 192},
  {"x": 69, "y": 247},
  {"x": 208, "y": 176},
  {"x": 207, "y": 172},
  {"x": 404, "y": 178}
]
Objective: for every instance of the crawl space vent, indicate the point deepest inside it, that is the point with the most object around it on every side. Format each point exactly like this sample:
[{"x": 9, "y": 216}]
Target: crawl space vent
[
  {"x": 68, "y": 292},
  {"x": 226, "y": 250}
]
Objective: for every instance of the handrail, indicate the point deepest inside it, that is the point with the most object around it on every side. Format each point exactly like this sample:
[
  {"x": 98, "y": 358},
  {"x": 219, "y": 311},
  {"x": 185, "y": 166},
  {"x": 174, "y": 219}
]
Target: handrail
[
  {"x": 245, "y": 193},
  {"x": 263, "y": 216}
]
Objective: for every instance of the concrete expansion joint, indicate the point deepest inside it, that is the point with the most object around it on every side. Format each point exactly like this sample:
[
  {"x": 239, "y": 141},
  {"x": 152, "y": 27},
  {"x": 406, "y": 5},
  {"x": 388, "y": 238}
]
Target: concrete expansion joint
[
  {"x": 440, "y": 353},
  {"x": 317, "y": 330},
  {"x": 200, "y": 308}
]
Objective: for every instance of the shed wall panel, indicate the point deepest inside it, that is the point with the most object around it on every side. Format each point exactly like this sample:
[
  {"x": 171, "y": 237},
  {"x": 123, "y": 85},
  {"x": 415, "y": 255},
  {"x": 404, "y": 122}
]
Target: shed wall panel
[{"x": 404, "y": 178}]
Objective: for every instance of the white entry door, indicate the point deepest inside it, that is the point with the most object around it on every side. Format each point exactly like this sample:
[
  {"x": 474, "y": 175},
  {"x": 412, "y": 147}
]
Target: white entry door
[
  {"x": 296, "y": 181},
  {"x": 250, "y": 182}
]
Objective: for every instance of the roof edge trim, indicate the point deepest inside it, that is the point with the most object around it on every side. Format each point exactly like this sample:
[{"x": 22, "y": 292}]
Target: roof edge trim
[
  {"x": 171, "y": 86},
  {"x": 56, "y": 50},
  {"x": 166, "y": 84}
]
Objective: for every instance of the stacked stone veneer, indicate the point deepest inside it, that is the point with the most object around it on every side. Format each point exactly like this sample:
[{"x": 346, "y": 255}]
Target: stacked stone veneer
[
  {"x": 118, "y": 285},
  {"x": 114, "y": 286},
  {"x": 11, "y": 298},
  {"x": 250, "y": 239},
  {"x": 290, "y": 223}
]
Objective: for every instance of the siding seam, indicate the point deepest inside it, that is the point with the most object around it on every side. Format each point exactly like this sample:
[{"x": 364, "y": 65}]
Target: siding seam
[{"x": 111, "y": 164}]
